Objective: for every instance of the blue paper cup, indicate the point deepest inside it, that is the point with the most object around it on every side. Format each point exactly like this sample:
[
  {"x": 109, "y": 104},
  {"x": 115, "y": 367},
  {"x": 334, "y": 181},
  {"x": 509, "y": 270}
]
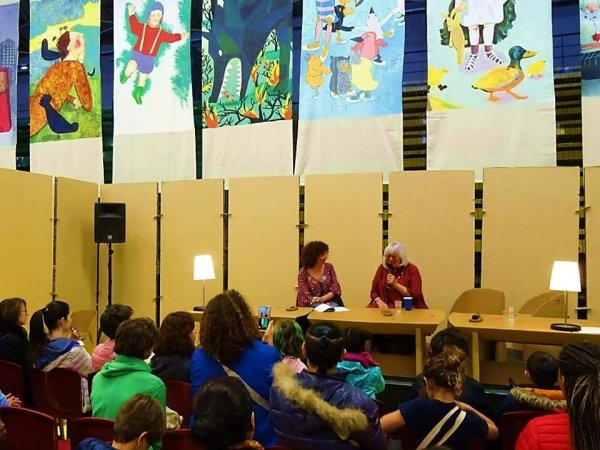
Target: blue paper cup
[{"x": 408, "y": 303}]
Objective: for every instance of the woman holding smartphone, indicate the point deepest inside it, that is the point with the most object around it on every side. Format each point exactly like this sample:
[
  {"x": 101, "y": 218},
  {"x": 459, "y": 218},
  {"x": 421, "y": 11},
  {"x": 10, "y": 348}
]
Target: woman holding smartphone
[{"x": 317, "y": 281}]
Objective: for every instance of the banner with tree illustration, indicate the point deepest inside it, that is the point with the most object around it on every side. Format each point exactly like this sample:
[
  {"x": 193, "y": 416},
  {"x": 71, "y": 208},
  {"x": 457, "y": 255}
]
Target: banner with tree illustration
[
  {"x": 9, "y": 58},
  {"x": 589, "y": 13},
  {"x": 352, "y": 60},
  {"x": 246, "y": 80},
  {"x": 490, "y": 84},
  {"x": 65, "y": 88},
  {"x": 153, "y": 107}
]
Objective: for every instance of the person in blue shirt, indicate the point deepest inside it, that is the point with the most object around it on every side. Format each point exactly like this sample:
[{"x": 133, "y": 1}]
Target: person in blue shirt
[{"x": 231, "y": 345}]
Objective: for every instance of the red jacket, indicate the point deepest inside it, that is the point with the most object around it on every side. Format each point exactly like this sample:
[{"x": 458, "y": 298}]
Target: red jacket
[
  {"x": 408, "y": 276},
  {"x": 551, "y": 432}
]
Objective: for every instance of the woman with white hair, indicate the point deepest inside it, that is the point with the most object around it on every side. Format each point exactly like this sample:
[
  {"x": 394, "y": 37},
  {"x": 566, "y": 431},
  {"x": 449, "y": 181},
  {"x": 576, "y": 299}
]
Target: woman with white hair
[{"x": 395, "y": 279}]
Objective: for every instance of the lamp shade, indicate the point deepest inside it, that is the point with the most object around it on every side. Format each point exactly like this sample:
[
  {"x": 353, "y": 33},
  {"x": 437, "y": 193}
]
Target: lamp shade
[
  {"x": 204, "y": 268},
  {"x": 565, "y": 276}
]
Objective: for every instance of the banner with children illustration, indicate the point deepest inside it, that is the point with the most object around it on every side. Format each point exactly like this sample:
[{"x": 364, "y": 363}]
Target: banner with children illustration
[
  {"x": 589, "y": 13},
  {"x": 351, "y": 65},
  {"x": 9, "y": 58},
  {"x": 153, "y": 108},
  {"x": 490, "y": 84},
  {"x": 65, "y": 107},
  {"x": 246, "y": 80}
]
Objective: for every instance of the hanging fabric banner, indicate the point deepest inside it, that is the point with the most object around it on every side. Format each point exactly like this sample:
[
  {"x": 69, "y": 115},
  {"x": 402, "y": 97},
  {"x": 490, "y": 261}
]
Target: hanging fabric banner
[
  {"x": 491, "y": 86},
  {"x": 153, "y": 108},
  {"x": 9, "y": 58},
  {"x": 589, "y": 13},
  {"x": 351, "y": 86},
  {"x": 246, "y": 88},
  {"x": 65, "y": 89}
]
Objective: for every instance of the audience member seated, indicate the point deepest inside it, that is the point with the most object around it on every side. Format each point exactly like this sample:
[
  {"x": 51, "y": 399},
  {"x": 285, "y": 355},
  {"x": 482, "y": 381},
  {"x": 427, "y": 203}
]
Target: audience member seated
[
  {"x": 110, "y": 320},
  {"x": 577, "y": 428},
  {"x": 440, "y": 419},
  {"x": 316, "y": 408},
  {"x": 224, "y": 417},
  {"x": 361, "y": 369},
  {"x": 128, "y": 374},
  {"x": 50, "y": 350},
  {"x": 9, "y": 400},
  {"x": 395, "y": 279},
  {"x": 472, "y": 393},
  {"x": 140, "y": 423},
  {"x": 173, "y": 351},
  {"x": 288, "y": 340},
  {"x": 13, "y": 336},
  {"x": 317, "y": 281},
  {"x": 543, "y": 393},
  {"x": 230, "y": 345}
]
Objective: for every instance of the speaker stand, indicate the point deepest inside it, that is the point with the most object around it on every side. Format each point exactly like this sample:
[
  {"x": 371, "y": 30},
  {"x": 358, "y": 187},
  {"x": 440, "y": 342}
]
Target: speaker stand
[{"x": 110, "y": 253}]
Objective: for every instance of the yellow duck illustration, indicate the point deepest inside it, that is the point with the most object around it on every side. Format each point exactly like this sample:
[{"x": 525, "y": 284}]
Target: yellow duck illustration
[
  {"x": 435, "y": 77},
  {"x": 505, "y": 79},
  {"x": 457, "y": 37},
  {"x": 314, "y": 73},
  {"x": 536, "y": 69},
  {"x": 362, "y": 79}
]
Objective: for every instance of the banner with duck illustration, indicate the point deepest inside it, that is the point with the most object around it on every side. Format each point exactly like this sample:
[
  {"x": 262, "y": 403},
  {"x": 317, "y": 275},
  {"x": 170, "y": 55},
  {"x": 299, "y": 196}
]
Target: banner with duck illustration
[
  {"x": 9, "y": 58},
  {"x": 65, "y": 90},
  {"x": 246, "y": 88},
  {"x": 589, "y": 13},
  {"x": 490, "y": 84},
  {"x": 352, "y": 59},
  {"x": 154, "y": 136}
]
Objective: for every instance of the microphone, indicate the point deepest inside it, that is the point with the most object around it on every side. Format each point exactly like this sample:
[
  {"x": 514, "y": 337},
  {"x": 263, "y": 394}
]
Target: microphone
[{"x": 390, "y": 271}]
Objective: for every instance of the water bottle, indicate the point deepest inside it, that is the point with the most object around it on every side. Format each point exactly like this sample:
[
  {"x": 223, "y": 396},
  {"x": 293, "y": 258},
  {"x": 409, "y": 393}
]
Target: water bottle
[{"x": 510, "y": 316}]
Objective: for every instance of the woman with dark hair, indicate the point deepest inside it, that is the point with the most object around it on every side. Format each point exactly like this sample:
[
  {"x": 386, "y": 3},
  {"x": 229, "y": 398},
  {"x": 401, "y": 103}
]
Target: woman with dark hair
[
  {"x": 174, "y": 348},
  {"x": 230, "y": 345},
  {"x": 110, "y": 320},
  {"x": 13, "y": 336},
  {"x": 224, "y": 417},
  {"x": 317, "y": 281},
  {"x": 578, "y": 428},
  {"x": 51, "y": 350},
  {"x": 316, "y": 408}
]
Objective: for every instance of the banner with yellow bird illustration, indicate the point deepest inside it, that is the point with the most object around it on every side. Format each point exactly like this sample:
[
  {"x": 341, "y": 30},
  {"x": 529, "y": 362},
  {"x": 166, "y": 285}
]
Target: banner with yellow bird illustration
[
  {"x": 246, "y": 88},
  {"x": 589, "y": 13},
  {"x": 490, "y": 83},
  {"x": 9, "y": 59},
  {"x": 65, "y": 101},
  {"x": 351, "y": 73}
]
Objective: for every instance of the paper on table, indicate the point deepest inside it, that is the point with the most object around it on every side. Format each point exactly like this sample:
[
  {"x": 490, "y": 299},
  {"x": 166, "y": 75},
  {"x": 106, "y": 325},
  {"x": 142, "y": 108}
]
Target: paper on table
[{"x": 324, "y": 307}]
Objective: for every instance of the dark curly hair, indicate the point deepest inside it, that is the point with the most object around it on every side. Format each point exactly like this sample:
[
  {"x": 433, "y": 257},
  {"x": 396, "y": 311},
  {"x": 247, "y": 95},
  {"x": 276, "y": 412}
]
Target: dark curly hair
[
  {"x": 227, "y": 326},
  {"x": 113, "y": 317},
  {"x": 174, "y": 338},
  {"x": 311, "y": 252}
]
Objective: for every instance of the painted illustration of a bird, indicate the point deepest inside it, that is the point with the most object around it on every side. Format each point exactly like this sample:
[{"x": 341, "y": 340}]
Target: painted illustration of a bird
[
  {"x": 536, "y": 69},
  {"x": 435, "y": 77},
  {"x": 505, "y": 79}
]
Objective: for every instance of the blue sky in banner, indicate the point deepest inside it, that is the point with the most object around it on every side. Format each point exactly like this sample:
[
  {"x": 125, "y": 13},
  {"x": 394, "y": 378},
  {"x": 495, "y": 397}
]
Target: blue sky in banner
[
  {"x": 518, "y": 33},
  {"x": 9, "y": 41},
  {"x": 360, "y": 72},
  {"x": 589, "y": 14}
]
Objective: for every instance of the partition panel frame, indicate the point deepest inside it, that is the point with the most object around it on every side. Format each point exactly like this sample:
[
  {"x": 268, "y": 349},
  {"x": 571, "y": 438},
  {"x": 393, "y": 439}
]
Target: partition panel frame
[{"x": 592, "y": 241}]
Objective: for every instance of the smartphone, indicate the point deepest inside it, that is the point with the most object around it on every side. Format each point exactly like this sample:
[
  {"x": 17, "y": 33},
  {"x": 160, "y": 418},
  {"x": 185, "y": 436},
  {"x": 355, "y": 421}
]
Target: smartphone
[{"x": 264, "y": 316}]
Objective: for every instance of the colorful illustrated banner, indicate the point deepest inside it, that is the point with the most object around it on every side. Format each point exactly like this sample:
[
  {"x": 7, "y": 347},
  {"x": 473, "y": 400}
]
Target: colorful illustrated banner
[
  {"x": 9, "y": 58},
  {"x": 351, "y": 83},
  {"x": 589, "y": 13},
  {"x": 153, "y": 107},
  {"x": 65, "y": 88},
  {"x": 246, "y": 80},
  {"x": 491, "y": 87}
]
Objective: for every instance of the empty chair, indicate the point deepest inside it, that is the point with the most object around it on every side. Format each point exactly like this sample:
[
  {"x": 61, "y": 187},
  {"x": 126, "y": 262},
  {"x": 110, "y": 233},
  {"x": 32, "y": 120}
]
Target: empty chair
[
  {"x": 11, "y": 379},
  {"x": 85, "y": 322},
  {"x": 179, "y": 398},
  {"x": 548, "y": 304},
  {"x": 57, "y": 392},
  {"x": 511, "y": 425},
  {"x": 28, "y": 430},
  {"x": 479, "y": 300},
  {"x": 180, "y": 440},
  {"x": 85, "y": 427}
]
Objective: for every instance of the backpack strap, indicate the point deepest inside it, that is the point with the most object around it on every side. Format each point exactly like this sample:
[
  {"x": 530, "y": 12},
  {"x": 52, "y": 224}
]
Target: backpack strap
[
  {"x": 255, "y": 396},
  {"x": 438, "y": 427}
]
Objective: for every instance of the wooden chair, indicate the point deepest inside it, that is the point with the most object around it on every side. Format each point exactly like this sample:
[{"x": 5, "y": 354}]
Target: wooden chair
[
  {"x": 479, "y": 300},
  {"x": 85, "y": 322},
  {"x": 180, "y": 439},
  {"x": 11, "y": 379},
  {"x": 179, "y": 398},
  {"x": 85, "y": 427},
  {"x": 511, "y": 425},
  {"x": 547, "y": 304},
  {"x": 28, "y": 429}
]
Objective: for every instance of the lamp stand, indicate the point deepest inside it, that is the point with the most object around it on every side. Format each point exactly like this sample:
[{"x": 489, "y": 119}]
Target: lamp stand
[
  {"x": 201, "y": 308},
  {"x": 568, "y": 327}
]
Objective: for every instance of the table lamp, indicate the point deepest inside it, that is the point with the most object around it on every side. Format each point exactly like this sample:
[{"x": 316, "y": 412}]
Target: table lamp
[
  {"x": 565, "y": 277},
  {"x": 204, "y": 269}
]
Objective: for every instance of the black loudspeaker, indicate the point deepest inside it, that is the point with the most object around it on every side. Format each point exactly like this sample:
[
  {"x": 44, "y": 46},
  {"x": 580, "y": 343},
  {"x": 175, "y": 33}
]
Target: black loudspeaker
[{"x": 109, "y": 223}]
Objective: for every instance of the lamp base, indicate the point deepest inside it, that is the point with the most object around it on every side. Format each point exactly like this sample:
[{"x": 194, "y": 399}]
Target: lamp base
[
  {"x": 198, "y": 308},
  {"x": 568, "y": 327}
]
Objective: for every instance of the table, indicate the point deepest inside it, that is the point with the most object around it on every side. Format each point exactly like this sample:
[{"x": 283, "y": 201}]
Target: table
[
  {"x": 418, "y": 323},
  {"x": 525, "y": 329}
]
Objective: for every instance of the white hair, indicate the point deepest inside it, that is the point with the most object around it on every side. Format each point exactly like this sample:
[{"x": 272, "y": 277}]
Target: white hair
[{"x": 395, "y": 248}]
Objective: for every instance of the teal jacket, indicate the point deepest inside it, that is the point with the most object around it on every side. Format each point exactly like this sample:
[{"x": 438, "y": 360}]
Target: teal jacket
[
  {"x": 121, "y": 379},
  {"x": 369, "y": 380}
]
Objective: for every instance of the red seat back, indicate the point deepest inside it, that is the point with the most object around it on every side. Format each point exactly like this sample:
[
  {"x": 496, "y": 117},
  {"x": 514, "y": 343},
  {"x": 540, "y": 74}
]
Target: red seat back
[
  {"x": 11, "y": 379},
  {"x": 512, "y": 423},
  {"x": 57, "y": 393},
  {"x": 85, "y": 427},
  {"x": 28, "y": 429},
  {"x": 179, "y": 398},
  {"x": 180, "y": 439}
]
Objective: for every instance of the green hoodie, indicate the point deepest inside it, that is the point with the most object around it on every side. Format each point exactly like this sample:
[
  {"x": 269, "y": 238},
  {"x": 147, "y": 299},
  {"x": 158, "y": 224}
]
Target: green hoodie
[{"x": 121, "y": 379}]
